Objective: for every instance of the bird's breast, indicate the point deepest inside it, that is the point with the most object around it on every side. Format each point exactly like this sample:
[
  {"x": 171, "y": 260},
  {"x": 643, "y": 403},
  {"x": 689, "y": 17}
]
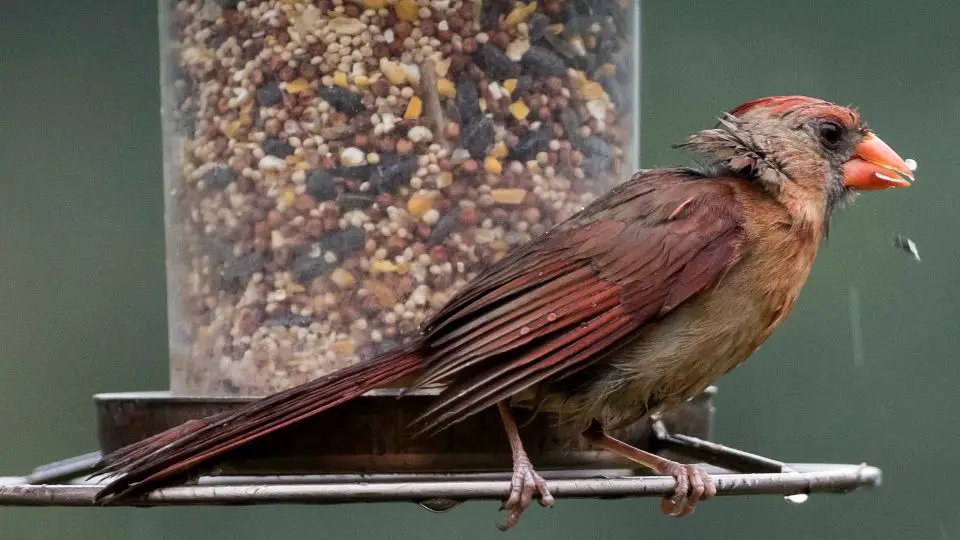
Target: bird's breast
[{"x": 676, "y": 358}]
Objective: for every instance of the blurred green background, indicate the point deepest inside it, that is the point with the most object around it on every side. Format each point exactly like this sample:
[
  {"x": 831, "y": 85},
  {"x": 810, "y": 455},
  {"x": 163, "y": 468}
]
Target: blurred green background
[{"x": 82, "y": 281}]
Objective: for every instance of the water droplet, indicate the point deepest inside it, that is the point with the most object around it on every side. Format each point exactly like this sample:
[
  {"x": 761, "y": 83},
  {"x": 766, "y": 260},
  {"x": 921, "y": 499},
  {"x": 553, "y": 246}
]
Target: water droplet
[
  {"x": 798, "y": 498},
  {"x": 439, "y": 505},
  {"x": 552, "y": 317},
  {"x": 525, "y": 330},
  {"x": 906, "y": 245}
]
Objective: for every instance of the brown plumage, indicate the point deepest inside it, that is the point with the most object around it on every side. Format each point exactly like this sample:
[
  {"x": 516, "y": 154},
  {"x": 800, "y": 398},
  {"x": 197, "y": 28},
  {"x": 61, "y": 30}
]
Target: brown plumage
[{"x": 636, "y": 303}]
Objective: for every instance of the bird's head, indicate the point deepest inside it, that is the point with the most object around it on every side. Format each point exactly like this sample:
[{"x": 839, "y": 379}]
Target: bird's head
[{"x": 797, "y": 146}]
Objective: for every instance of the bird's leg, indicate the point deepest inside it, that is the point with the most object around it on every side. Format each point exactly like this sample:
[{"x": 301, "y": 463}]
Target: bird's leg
[
  {"x": 692, "y": 483},
  {"x": 525, "y": 480}
]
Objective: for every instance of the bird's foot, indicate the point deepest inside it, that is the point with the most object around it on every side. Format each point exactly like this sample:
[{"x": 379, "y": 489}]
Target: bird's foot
[
  {"x": 693, "y": 484},
  {"x": 524, "y": 483}
]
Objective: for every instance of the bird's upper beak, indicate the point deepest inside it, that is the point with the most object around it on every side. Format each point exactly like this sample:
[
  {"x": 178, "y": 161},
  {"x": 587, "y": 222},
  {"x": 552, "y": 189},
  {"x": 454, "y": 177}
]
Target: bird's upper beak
[{"x": 875, "y": 165}]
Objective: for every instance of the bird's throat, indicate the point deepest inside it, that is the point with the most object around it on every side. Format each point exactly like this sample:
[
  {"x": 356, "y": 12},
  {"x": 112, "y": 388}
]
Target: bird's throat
[{"x": 807, "y": 211}]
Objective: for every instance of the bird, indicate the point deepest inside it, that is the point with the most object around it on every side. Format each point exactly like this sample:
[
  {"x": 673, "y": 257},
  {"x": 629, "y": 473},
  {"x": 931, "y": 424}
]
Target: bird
[{"x": 634, "y": 304}]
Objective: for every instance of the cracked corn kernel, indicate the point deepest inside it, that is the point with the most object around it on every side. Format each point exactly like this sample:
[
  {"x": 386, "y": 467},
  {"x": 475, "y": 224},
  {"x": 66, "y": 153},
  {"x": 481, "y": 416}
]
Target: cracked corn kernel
[
  {"x": 508, "y": 195},
  {"x": 445, "y": 87},
  {"x": 414, "y": 109},
  {"x": 445, "y": 180},
  {"x": 297, "y": 86},
  {"x": 442, "y": 66},
  {"x": 382, "y": 266},
  {"x": 519, "y": 14},
  {"x": 492, "y": 165},
  {"x": 343, "y": 278},
  {"x": 519, "y": 110},
  {"x": 419, "y": 204},
  {"x": 592, "y": 90},
  {"x": 393, "y": 71},
  {"x": 289, "y": 195},
  {"x": 407, "y": 10},
  {"x": 231, "y": 128}
]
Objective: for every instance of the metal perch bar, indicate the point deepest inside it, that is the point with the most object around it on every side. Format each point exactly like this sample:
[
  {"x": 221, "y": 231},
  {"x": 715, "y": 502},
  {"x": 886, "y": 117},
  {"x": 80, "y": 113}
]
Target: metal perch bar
[
  {"x": 713, "y": 453},
  {"x": 306, "y": 477},
  {"x": 456, "y": 487}
]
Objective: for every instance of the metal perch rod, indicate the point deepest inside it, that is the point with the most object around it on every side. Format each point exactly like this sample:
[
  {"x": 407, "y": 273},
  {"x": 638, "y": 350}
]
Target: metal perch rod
[{"x": 808, "y": 479}]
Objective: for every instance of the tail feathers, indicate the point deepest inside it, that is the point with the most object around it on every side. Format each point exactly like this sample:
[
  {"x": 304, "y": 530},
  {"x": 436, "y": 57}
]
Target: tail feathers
[
  {"x": 123, "y": 457},
  {"x": 185, "y": 449}
]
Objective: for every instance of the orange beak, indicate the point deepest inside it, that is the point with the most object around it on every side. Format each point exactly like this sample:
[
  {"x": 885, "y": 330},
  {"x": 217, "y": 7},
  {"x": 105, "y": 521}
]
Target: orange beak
[{"x": 876, "y": 166}]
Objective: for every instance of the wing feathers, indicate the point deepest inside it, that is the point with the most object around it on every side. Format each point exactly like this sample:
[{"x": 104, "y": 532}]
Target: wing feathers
[
  {"x": 527, "y": 325},
  {"x": 477, "y": 394},
  {"x": 557, "y": 305}
]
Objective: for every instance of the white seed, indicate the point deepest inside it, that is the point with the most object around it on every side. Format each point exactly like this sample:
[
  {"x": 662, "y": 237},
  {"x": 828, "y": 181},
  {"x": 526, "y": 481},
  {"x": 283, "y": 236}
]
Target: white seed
[
  {"x": 431, "y": 216},
  {"x": 419, "y": 134},
  {"x": 517, "y": 48},
  {"x": 268, "y": 163},
  {"x": 352, "y": 156}
]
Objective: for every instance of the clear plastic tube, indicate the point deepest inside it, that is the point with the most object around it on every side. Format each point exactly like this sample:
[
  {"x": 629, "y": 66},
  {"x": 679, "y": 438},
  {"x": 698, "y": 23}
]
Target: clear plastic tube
[{"x": 336, "y": 170}]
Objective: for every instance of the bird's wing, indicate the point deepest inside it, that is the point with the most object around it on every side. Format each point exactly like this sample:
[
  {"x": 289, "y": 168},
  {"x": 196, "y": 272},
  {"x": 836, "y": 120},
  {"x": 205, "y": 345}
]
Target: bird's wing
[{"x": 560, "y": 302}]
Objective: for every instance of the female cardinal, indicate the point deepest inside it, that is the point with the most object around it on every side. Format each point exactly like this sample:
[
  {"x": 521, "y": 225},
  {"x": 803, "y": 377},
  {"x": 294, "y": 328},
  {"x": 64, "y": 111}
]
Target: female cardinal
[{"x": 633, "y": 305}]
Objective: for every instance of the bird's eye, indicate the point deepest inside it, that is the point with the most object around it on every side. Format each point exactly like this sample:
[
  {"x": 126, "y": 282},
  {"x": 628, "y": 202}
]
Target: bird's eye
[{"x": 830, "y": 133}]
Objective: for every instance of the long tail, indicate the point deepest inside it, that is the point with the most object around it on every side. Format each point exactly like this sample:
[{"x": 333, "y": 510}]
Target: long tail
[{"x": 174, "y": 454}]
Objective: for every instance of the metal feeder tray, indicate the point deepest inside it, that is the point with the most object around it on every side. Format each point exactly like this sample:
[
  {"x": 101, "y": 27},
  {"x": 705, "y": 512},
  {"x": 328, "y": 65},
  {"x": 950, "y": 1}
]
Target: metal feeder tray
[{"x": 362, "y": 453}]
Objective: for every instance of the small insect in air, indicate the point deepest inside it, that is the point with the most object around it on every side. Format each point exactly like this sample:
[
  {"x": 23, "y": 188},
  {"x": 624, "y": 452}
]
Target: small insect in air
[{"x": 907, "y": 245}]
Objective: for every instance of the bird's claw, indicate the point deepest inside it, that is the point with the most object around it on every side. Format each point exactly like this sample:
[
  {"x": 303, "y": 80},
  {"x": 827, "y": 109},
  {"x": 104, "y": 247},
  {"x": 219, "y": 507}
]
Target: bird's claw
[
  {"x": 693, "y": 484},
  {"x": 524, "y": 483}
]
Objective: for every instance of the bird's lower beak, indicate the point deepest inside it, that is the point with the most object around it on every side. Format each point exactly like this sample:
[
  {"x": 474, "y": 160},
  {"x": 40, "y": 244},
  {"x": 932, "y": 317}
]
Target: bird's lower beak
[{"x": 875, "y": 165}]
